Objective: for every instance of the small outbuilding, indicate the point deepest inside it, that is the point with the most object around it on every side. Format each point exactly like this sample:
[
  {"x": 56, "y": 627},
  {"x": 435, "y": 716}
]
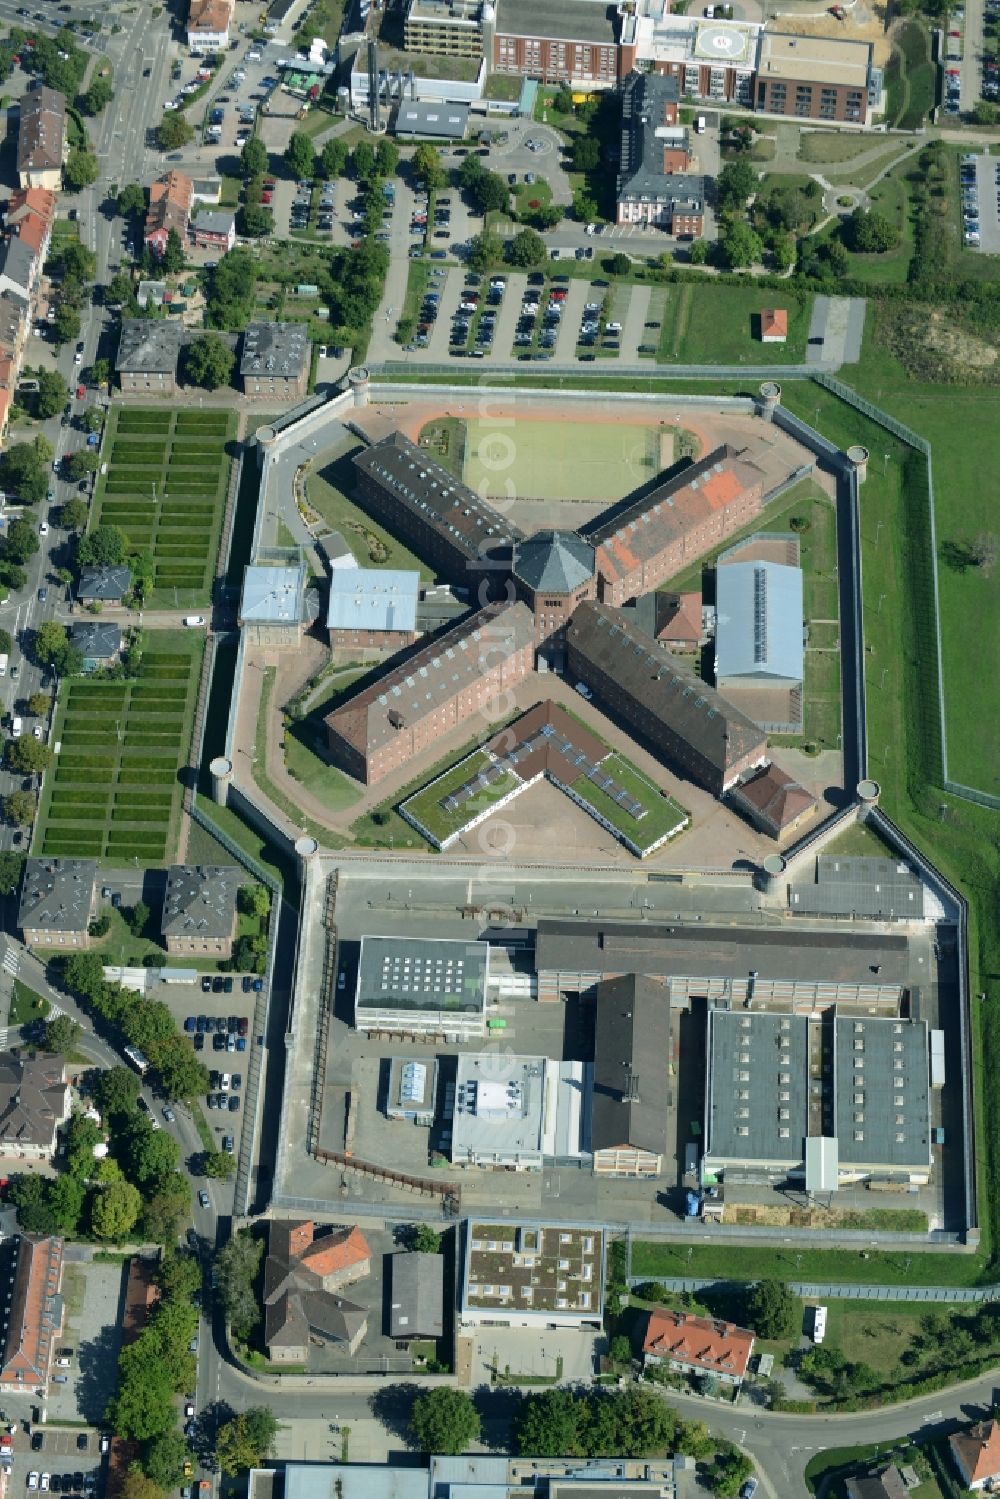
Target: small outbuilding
[
  {"x": 773, "y": 325},
  {"x": 416, "y": 1302}
]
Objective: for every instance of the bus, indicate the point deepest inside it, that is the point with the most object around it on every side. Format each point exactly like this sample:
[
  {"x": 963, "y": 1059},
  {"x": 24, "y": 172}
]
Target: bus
[{"x": 139, "y": 1062}]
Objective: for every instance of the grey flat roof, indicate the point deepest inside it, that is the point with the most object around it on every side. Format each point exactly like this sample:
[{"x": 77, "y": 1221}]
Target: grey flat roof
[
  {"x": 217, "y": 221},
  {"x": 683, "y": 951},
  {"x": 757, "y": 1086},
  {"x": 569, "y": 20},
  {"x": 422, "y": 973},
  {"x": 57, "y": 894},
  {"x": 17, "y": 261},
  {"x": 200, "y": 900},
  {"x": 278, "y": 350},
  {"x": 368, "y": 598},
  {"x": 499, "y": 1106},
  {"x": 759, "y": 622},
  {"x": 149, "y": 346},
  {"x": 860, "y": 886},
  {"x": 272, "y": 595},
  {"x": 882, "y": 1091},
  {"x": 416, "y": 117},
  {"x": 353, "y": 1481}
]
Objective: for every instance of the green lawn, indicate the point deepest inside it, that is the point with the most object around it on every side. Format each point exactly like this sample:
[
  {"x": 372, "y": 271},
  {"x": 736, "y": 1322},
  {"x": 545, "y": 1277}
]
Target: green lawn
[
  {"x": 114, "y": 791},
  {"x": 653, "y": 1258},
  {"x": 274, "y": 793},
  {"x": 26, "y": 1005},
  {"x": 714, "y": 324},
  {"x": 559, "y": 460},
  {"x": 328, "y": 487},
  {"x": 426, "y": 806},
  {"x": 317, "y": 775},
  {"x": 660, "y": 816},
  {"x": 165, "y": 486}
]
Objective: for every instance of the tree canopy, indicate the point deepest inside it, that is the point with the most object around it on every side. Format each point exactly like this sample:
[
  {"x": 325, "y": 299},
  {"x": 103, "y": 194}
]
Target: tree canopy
[
  {"x": 174, "y": 130},
  {"x": 300, "y": 155},
  {"x": 81, "y": 169},
  {"x": 736, "y": 182},
  {"x": 445, "y": 1421},
  {"x": 237, "y": 1265},
  {"x": 246, "y": 1440},
  {"x": 773, "y": 1310},
  {"x": 209, "y": 362},
  {"x": 253, "y": 157},
  {"x": 24, "y": 470},
  {"x": 106, "y": 545}
]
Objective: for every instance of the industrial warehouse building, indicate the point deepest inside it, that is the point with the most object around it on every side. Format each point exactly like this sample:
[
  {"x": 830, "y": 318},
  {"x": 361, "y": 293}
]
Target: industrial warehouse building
[
  {"x": 759, "y": 634},
  {"x": 422, "y": 987},
  {"x": 513, "y": 1113},
  {"x": 630, "y": 1092}
]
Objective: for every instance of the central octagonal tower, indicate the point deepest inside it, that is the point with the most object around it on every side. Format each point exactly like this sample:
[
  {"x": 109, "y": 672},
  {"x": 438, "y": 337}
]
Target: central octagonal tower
[{"x": 553, "y": 572}]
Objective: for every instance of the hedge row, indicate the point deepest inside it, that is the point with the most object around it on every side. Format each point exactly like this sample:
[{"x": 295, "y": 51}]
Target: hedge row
[
  {"x": 80, "y": 846},
  {"x": 165, "y": 777},
  {"x": 67, "y": 813},
  {"x": 143, "y": 418}
]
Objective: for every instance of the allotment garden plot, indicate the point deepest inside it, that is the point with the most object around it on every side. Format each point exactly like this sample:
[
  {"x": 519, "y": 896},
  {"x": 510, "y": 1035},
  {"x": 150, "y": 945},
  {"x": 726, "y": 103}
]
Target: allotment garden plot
[
  {"x": 113, "y": 791},
  {"x": 165, "y": 486}
]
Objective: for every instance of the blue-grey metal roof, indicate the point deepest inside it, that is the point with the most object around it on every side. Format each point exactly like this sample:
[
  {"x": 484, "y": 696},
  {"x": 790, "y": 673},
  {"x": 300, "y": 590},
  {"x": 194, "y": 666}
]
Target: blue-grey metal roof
[
  {"x": 272, "y": 595},
  {"x": 368, "y": 598},
  {"x": 449, "y": 121},
  {"x": 354, "y": 1481},
  {"x": 554, "y": 561},
  {"x": 882, "y": 1080},
  {"x": 758, "y": 622},
  {"x": 758, "y": 1077},
  {"x": 95, "y": 640}
]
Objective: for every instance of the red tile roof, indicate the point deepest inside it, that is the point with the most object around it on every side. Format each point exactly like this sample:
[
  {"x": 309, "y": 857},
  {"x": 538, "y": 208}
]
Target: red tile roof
[
  {"x": 774, "y": 323},
  {"x": 978, "y": 1451},
  {"x": 326, "y": 1257},
  {"x": 34, "y": 1319},
  {"x": 684, "y": 623},
  {"x": 700, "y": 1342}
]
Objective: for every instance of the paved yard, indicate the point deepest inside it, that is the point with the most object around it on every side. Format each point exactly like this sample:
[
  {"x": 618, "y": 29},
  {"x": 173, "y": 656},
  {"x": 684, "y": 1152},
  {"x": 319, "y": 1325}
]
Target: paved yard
[{"x": 93, "y": 1296}]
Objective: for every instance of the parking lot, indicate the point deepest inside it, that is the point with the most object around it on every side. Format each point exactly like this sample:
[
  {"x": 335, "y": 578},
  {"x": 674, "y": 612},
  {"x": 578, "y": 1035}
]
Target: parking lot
[
  {"x": 980, "y": 174},
  {"x": 91, "y": 1335}
]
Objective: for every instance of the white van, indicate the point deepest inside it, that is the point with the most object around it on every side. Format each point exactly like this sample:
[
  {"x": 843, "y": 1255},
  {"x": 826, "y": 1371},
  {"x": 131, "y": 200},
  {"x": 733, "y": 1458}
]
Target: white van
[
  {"x": 16, "y": 728},
  {"x": 3, "y": 666},
  {"x": 819, "y": 1323}
]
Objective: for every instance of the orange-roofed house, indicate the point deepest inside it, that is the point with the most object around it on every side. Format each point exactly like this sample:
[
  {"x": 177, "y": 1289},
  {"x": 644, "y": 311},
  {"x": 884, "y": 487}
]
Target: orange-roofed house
[
  {"x": 170, "y": 199},
  {"x": 678, "y": 623},
  {"x": 773, "y": 325},
  {"x": 34, "y": 1316},
  {"x": 30, "y": 214},
  {"x": 976, "y": 1454},
  {"x": 303, "y": 1278},
  {"x": 698, "y": 1345},
  {"x": 208, "y": 25}
]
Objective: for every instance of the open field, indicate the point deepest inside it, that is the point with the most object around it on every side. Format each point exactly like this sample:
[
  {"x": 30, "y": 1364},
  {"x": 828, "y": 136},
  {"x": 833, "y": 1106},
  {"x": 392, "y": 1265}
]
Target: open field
[
  {"x": 114, "y": 791},
  {"x": 653, "y": 1258},
  {"x": 166, "y": 483},
  {"x": 559, "y": 461},
  {"x": 714, "y": 324}
]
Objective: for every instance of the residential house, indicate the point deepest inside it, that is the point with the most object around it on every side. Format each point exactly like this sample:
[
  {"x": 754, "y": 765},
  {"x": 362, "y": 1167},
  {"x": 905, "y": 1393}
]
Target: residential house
[
  {"x": 30, "y": 214},
  {"x": 19, "y": 268},
  {"x": 303, "y": 1277},
  {"x": 416, "y": 1297},
  {"x": 976, "y": 1454},
  {"x": 215, "y": 230},
  {"x": 58, "y": 901},
  {"x": 886, "y": 1483},
  {"x": 34, "y": 1102},
  {"x": 148, "y": 351},
  {"x": 33, "y": 1317},
  {"x": 41, "y": 138},
  {"x": 275, "y": 361},
  {"x": 169, "y": 208},
  {"x": 98, "y": 643},
  {"x": 208, "y": 25},
  {"x": 773, "y": 325},
  {"x": 104, "y": 585},
  {"x": 199, "y": 909},
  {"x": 698, "y": 1345}
]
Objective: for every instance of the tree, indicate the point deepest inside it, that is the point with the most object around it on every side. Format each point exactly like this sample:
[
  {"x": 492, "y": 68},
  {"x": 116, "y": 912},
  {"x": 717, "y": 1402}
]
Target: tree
[
  {"x": 218, "y": 1164},
  {"x": 491, "y": 193},
  {"x": 11, "y": 865},
  {"x": 167, "y": 1210},
  {"x": 66, "y": 1199},
  {"x": 117, "y": 1089},
  {"x": 562, "y": 100},
  {"x": 730, "y": 1471},
  {"x": 253, "y": 157},
  {"x": 6, "y": 642},
  {"x": 21, "y": 541},
  {"x": 254, "y": 900},
  {"x": 117, "y": 292},
  {"x": 386, "y": 157},
  {"x": 547, "y": 1424},
  {"x": 73, "y": 514},
  {"x": 138, "y": 918},
  {"x": 115, "y": 1210},
  {"x": 425, "y": 1240},
  {"x": 19, "y": 808},
  {"x": 50, "y": 640},
  {"x": 698, "y": 252},
  {"x": 30, "y": 1195},
  {"x": 869, "y": 232},
  {"x": 209, "y": 362},
  {"x": 51, "y": 391},
  {"x": 300, "y": 155},
  {"x": 526, "y": 249},
  {"x": 82, "y": 1136},
  {"x": 144, "y": 1405},
  {"x": 237, "y": 1264},
  {"x": 586, "y": 153},
  {"x": 984, "y": 113},
  {"x": 620, "y": 1350},
  {"x": 485, "y": 250},
  {"x": 92, "y": 419},
  {"x": 182, "y": 1076},
  {"x": 131, "y": 200},
  {"x": 61, "y": 1035},
  {"x": 363, "y": 160},
  {"x": 444, "y": 1420},
  {"x": 584, "y": 205},
  {"x": 333, "y": 159},
  {"x": 740, "y": 246},
  {"x": 164, "y": 1459},
  {"x": 734, "y": 185},
  {"x": 80, "y": 170},
  {"x": 66, "y": 323},
  {"x": 619, "y": 264},
  {"x": 98, "y": 95},
  {"x": 78, "y": 464},
  {"x": 136, "y": 1485},
  {"x": 256, "y": 220},
  {"x": 248, "y": 1439},
  {"x": 28, "y": 755},
  {"x": 783, "y": 250},
  {"x": 25, "y": 472},
  {"x": 427, "y": 166},
  {"x": 175, "y": 130},
  {"x": 105, "y": 545},
  {"x": 172, "y": 259},
  {"x": 250, "y": 954},
  {"x": 773, "y": 1310}
]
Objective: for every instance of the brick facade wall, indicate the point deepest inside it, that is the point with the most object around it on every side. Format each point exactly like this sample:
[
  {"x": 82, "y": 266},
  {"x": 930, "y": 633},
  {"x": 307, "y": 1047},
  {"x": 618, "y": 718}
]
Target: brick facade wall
[
  {"x": 555, "y": 60},
  {"x": 812, "y": 101}
]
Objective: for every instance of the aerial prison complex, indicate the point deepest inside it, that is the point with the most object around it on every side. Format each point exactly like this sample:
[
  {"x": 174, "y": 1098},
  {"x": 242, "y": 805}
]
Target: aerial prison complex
[{"x": 559, "y": 598}]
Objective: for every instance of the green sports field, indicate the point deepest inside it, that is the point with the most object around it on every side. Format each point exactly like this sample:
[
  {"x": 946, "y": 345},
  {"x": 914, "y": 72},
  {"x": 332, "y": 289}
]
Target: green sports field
[{"x": 559, "y": 460}]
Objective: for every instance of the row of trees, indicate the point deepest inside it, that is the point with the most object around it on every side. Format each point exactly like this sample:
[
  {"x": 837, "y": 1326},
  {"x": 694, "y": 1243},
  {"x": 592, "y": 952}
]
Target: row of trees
[
  {"x": 156, "y": 1368},
  {"x": 145, "y": 1023}
]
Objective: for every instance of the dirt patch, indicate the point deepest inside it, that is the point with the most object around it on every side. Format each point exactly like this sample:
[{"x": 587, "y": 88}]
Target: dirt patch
[
  {"x": 864, "y": 29},
  {"x": 934, "y": 345}
]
